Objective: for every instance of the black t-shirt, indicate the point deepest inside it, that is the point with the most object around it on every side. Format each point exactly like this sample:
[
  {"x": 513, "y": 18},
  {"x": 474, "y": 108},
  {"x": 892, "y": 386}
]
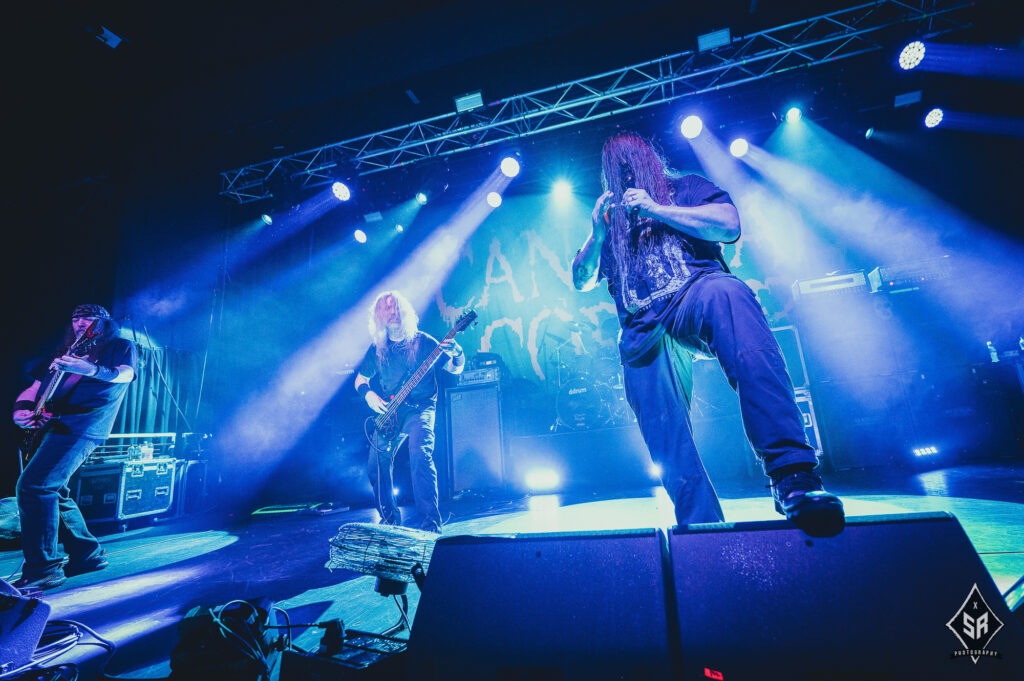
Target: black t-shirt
[
  {"x": 401, "y": 360},
  {"x": 85, "y": 406},
  {"x": 644, "y": 293}
]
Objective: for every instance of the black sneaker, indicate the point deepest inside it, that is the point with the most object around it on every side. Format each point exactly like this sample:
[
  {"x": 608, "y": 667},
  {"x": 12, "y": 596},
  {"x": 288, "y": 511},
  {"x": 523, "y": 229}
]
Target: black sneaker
[
  {"x": 801, "y": 497},
  {"x": 51, "y": 580},
  {"x": 93, "y": 563}
]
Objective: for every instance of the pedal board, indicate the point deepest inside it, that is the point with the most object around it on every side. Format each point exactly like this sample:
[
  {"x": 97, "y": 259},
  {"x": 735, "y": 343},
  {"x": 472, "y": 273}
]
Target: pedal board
[{"x": 363, "y": 656}]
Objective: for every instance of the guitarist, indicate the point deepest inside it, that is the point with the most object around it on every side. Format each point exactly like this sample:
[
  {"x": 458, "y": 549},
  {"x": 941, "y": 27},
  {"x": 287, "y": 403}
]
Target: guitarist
[
  {"x": 86, "y": 384},
  {"x": 397, "y": 350}
]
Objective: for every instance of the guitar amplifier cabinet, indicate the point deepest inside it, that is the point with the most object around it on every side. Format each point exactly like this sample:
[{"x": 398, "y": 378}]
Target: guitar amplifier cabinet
[
  {"x": 126, "y": 489},
  {"x": 476, "y": 441}
]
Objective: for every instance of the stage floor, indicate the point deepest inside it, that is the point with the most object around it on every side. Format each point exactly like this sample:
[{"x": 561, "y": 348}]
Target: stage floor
[{"x": 160, "y": 571}]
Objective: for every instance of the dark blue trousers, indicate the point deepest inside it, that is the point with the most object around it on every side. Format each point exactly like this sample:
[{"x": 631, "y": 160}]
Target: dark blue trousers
[
  {"x": 720, "y": 316},
  {"x": 49, "y": 516},
  {"x": 418, "y": 428}
]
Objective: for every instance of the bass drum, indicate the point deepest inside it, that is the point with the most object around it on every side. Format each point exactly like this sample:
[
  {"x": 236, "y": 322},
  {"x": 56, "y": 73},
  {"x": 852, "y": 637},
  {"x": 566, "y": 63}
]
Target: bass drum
[
  {"x": 608, "y": 372},
  {"x": 583, "y": 404}
]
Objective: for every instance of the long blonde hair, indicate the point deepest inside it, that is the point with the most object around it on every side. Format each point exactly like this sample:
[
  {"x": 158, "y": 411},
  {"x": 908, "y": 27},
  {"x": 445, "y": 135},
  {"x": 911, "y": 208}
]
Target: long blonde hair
[{"x": 389, "y": 307}]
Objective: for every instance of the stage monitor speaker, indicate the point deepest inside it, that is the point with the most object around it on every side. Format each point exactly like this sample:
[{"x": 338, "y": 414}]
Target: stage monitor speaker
[
  {"x": 587, "y": 605},
  {"x": 22, "y": 621},
  {"x": 475, "y": 438},
  {"x": 890, "y": 597}
]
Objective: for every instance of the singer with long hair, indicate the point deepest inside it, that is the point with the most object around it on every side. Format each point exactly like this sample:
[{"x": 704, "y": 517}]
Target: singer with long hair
[{"x": 656, "y": 238}]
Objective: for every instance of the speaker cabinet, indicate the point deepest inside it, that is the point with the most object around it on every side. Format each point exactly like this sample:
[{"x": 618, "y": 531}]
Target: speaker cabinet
[
  {"x": 890, "y": 597},
  {"x": 587, "y": 605},
  {"x": 22, "y": 621},
  {"x": 849, "y": 335},
  {"x": 865, "y": 423},
  {"x": 476, "y": 442}
]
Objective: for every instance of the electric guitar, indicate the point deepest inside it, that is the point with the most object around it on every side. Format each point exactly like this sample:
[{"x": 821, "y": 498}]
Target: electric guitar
[
  {"x": 387, "y": 424},
  {"x": 31, "y": 437}
]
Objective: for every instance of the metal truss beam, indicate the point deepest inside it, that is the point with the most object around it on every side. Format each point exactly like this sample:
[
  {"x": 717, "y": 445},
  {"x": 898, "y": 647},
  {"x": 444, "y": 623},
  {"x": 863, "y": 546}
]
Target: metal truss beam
[{"x": 818, "y": 40}]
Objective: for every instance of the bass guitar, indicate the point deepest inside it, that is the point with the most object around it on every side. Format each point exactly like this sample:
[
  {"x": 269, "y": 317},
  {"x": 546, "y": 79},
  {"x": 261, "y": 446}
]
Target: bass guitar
[
  {"x": 387, "y": 424},
  {"x": 31, "y": 437}
]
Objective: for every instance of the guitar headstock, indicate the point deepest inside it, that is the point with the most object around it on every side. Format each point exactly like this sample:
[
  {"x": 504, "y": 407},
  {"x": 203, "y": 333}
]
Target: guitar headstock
[
  {"x": 464, "y": 320},
  {"x": 87, "y": 340}
]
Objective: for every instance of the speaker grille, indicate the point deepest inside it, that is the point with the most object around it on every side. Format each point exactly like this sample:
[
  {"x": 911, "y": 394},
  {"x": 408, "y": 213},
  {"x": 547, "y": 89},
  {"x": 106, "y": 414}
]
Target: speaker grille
[{"x": 475, "y": 438}]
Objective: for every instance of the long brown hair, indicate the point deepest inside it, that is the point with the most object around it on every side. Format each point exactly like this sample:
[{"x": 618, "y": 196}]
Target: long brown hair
[{"x": 629, "y": 160}]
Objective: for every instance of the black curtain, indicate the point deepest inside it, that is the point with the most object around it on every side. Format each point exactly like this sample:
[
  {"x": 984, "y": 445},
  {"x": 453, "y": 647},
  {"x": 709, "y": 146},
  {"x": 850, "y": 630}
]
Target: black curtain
[{"x": 166, "y": 395}]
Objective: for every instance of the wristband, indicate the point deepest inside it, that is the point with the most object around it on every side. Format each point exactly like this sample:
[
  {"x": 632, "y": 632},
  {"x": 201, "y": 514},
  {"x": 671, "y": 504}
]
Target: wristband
[
  {"x": 105, "y": 374},
  {"x": 363, "y": 389},
  {"x": 24, "y": 405}
]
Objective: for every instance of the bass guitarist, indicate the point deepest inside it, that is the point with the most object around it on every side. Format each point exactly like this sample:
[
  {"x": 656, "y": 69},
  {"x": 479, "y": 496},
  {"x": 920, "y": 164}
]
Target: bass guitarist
[
  {"x": 66, "y": 412},
  {"x": 401, "y": 357}
]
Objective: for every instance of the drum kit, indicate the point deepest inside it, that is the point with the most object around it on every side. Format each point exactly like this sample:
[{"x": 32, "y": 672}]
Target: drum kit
[{"x": 591, "y": 392}]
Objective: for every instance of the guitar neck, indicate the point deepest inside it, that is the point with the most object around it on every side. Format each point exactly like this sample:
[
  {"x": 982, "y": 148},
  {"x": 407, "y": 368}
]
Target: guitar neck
[
  {"x": 82, "y": 346},
  {"x": 417, "y": 376},
  {"x": 47, "y": 393}
]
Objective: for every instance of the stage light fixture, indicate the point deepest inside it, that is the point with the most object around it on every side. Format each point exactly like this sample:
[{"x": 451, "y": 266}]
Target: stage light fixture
[
  {"x": 341, "y": 191},
  {"x": 399, "y": 228},
  {"x": 267, "y": 220},
  {"x": 421, "y": 198},
  {"x": 906, "y": 99},
  {"x": 561, "y": 190},
  {"x": 739, "y": 147},
  {"x": 975, "y": 61},
  {"x": 794, "y": 114},
  {"x": 869, "y": 133},
  {"x": 469, "y": 101},
  {"x": 509, "y": 166},
  {"x": 933, "y": 118},
  {"x": 106, "y": 36},
  {"x": 691, "y": 127},
  {"x": 911, "y": 55},
  {"x": 542, "y": 480},
  {"x": 359, "y": 236},
  {"x": 710, "y": 41},
  {"x": 493, "y": 199}
]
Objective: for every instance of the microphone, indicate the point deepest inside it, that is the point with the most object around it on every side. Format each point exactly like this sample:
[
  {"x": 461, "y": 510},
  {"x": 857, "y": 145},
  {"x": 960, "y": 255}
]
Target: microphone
[{"x": 633, "y": 212}]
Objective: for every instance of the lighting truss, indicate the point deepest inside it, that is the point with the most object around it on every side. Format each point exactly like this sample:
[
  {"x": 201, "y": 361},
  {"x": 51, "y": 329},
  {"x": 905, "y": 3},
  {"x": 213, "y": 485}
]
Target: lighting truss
[{"x": 818, "y": 40}]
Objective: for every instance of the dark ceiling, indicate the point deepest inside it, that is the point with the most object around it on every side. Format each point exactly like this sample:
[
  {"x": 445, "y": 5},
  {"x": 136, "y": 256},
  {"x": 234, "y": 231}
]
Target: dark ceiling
[
  {"x": 214, "y": 85},
  {"x": 199, "y": 87}
]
